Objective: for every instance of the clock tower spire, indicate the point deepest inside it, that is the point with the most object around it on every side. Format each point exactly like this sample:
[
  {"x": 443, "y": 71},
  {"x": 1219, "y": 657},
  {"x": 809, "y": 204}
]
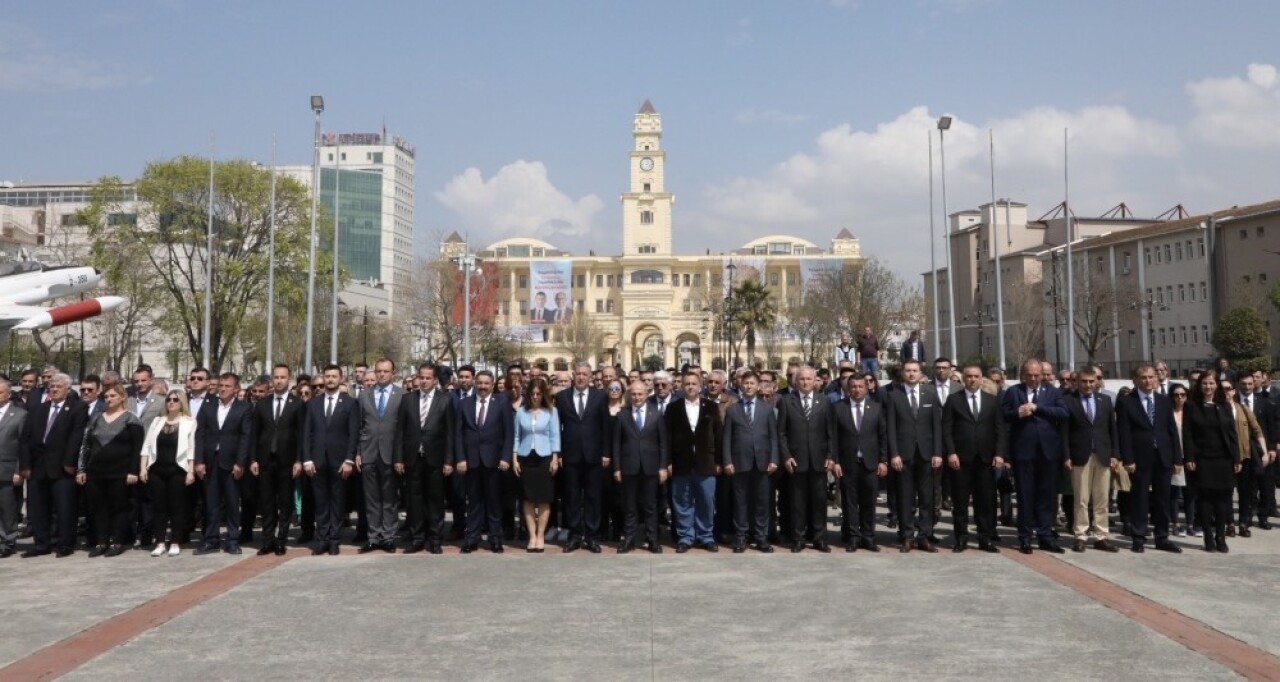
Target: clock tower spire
[{"x": 646, "y": 206}]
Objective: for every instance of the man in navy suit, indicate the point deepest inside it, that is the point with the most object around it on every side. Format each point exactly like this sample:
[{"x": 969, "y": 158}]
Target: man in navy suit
[
  {"x": 641, "y": 456},
  {"x": 750, "y": 456},
  {"x": 1152, "y": 454},
  {"x": 1035, "y": 414},
  {"x": 329, "y": 444},
  {"x": 55, "y": 429},
  {"x": 484, "y": 446},
  {"x": 584, "y": 440},
  {"x": 862, "y": 445},
  {"x": 222, "y": 456}
]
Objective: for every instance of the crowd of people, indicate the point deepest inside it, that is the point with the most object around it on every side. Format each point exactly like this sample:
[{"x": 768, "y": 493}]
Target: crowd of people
[{"x": 594, "y": 456}]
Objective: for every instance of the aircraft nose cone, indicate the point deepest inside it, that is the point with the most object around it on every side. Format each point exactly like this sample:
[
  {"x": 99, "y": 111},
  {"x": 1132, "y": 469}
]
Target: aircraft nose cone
[{"x": 97, "y": 272}]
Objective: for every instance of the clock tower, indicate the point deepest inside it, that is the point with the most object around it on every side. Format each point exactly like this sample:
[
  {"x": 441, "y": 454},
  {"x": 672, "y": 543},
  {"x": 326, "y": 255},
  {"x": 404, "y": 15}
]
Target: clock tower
[{"x": 646, "y": 206}]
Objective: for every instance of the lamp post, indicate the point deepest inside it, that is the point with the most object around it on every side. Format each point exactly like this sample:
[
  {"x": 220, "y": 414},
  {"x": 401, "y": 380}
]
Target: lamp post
[
  {"x": 933, "y": 264},
  {"x": 271, "y": 269},
  {"x": 208, "y": 268},
  {"x": 728, "y": 318},
  {"x": 944, "y": 124},
  {"x": 1149, "y": 304},
  {"x": 466, "y": 263},
  {"x": 1052, "y": 295},
  {"x": 317, "y": 105}
]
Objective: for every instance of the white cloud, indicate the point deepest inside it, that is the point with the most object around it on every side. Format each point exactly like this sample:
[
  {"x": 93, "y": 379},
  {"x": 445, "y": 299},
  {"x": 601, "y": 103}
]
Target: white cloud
[
  {"x": 518, "y": 200},
  {"x": 29, "y": 63},
  {"x": 1238, "y": 112}
]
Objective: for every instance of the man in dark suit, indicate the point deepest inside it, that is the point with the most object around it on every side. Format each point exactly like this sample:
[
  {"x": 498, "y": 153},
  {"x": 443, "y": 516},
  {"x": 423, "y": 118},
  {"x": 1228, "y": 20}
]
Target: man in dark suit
[
  {"x": 749, "y": 456},
  {"x": 584, "y": 443},
  {"x": 55, "y": 430},
  {"x": 329, "y": 445},
  {"x": 483, "y": 450},
  {"x": 456, "y": 487},
  {"x": 975, "y": 438},
  {"x": 1091, "y": 455},
  {"x": 1256, "y": 495},
  {"x": 695, "y": 431},
  {"x": 641, "y": 457},
  {"x": 1034, "y": 412},
  {"x": 424, "y": 452},
  {"x": 224, "y": 437},
  {"x": 913, "y": 348},
  {"x": 13, "y": 429},
  {"x": 538, "y": 314},
  {"x": 379, "y": 408},
  {"x": 806, "y": 441},
  {"x": 915, "y": 451},
  {"x": 1152, "y": 453},
  {"x": 278, "y": 422},
  {"x": 862, "y": 442}
]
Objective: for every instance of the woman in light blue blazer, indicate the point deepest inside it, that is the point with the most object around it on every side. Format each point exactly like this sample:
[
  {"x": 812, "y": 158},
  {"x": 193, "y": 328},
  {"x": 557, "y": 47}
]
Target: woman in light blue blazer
[{"x": 537, "y": 458}]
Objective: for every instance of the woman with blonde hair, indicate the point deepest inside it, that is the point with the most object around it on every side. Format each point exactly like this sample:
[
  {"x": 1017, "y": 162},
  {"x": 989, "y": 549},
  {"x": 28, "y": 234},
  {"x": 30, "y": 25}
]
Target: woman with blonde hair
[{"x": 167, "y": 468}]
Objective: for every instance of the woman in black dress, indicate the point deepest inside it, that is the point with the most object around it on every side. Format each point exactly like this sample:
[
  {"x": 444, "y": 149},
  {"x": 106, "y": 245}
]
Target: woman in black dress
[
  {"x": 1211, "y": 453},
  {"x": 168, "y": 468},
  {"x": 108, "y": 458}
]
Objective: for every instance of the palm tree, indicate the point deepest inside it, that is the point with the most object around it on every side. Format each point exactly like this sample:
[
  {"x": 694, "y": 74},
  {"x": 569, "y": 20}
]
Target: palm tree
[{"x": 754, "y": 309}]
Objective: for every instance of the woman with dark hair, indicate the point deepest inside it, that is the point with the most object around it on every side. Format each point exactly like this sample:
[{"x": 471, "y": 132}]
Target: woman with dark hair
[
  {"x": 1182, "y": 488},
  {"x": 108, "y": 457},
  {"x": 537, "y": 458},
  {"x": 1211, "y": 452}
]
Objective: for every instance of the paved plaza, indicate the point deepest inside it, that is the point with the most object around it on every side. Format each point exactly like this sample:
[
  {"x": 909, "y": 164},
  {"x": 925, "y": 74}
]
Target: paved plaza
[{"x": 886, "y": 616}]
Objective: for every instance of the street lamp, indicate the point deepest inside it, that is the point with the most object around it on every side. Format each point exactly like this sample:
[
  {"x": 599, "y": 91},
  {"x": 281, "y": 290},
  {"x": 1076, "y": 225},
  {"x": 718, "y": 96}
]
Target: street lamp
[
  {"x": 728, "y": 319},
  {"x": 944, "y": 124},
  {"x": 467, "y": 264},
  {"x": 317, "y": 105},
  {"x": 1150, "y": 304}
]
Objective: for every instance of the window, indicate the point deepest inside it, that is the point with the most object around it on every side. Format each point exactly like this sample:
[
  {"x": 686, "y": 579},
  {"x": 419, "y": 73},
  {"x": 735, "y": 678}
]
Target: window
[
  {"x": 1101, "y": 269},
  {"x": 687, "y": 306},
  {"x": 1159, "y": 295},
  {"x": 377, "y": 157},
  {"x": 1183, "y": 330},
  {"x": 1262, "y": 278},
  {"x": 646, "y": 187},
  {"x": 773, "y": 279},
  {"x": 760, "y": 250},
  {"x": 524, "y": 282},
  {"x": 1168, "y": 254},
  {"x": 697, "y": 280},
  {"x": 1158, "y": 258},
  {"x": 675, "y": 280},
  {"x": 1195, "y": 335},
  {"x": 524, "y": 308},
  {"x": 608, "y": 280},
  {"x": 686, "y": 279},
  {"x": 519, "y": 251},
  {"x": 1132, "y": 339},
  {"x": 1178, "y": 251},
  {"x": 1204, "y": 331},
  {"x": 580, "y": 281},
  {"x": 599, "y": 305},
  {"x": 1128, "y": 261},
  {"x": 1200, "y": 243},
  {"x": 1261, "y": 231},
  {"x": 646, "y": 277},
  {"x": 646, "y": 217},
  {"x": 648, "y": 248},
  {"x": 599, "y": 281},
  {"x": 1182, "y": 294},
  {"x": 1244, "y": 234},
  {"x": 608, "y": 306},
  {"x": 1146, "y": 255},
  {"x": 780, "y": 248},
  {"x": 579, "y": 304},
  {"x": 1204, "y": 295},
  {"x": 1164, "y": 340},
  {"x": 1191, "y": 289},
  {"x": 505, "y": 307},
  {"x": 791, "y": 278},
  {"x": 504, "y": 282}
]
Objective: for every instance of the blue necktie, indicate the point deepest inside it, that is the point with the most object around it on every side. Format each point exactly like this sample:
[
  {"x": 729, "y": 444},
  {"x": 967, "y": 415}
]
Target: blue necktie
[
  {"x": 382, "y": 401},
  {"x": 1151, "y": 410},
  {"x": 639, "y": 418}
]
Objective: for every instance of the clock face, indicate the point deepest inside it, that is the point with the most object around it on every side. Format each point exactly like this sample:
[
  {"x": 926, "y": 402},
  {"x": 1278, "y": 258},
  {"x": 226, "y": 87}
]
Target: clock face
[{"x": 646, "y": 164}]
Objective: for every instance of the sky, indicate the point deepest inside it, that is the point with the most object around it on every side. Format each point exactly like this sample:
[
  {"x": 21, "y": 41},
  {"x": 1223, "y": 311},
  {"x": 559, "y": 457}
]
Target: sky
[{"x": 799, "y": 117}]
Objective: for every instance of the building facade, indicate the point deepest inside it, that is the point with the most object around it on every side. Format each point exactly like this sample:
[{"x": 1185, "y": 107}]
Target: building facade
[{"x": 648, "y": 303}]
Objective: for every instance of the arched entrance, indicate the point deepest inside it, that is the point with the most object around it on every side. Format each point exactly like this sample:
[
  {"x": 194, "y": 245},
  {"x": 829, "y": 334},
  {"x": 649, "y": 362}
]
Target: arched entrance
[
  {"x": 648, "y": 346},
  {"x": 688, "y": 350}
]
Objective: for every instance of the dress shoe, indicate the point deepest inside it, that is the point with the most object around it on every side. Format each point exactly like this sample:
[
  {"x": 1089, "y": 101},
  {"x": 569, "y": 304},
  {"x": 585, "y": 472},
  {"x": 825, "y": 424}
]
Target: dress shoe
[
  {"x": 797, "y": 548},
  {"x": 893, "y": 522},
  {"x": 1222, "y": 546},
  {"x": 1231, "y": 531},
  {"x": 626, "y": 547},
  {"x": 822, "y": 546},
  {"x": 115, "y": 550},
  {"x": 925, "y": 545},
  {"x": 63, "y": 552},
  {"x": 764, "y": 547},
  {"x": 934, "y": 539},
  {"x": 435, "y": 548},
  {"x": 469, "y": 547},
  {"x": 280, "y": 549},
  {"x": 573, "y": 546},
  {"x": 388, "y": 547},
  {"x": 365, "y": 549},
  {"x": 1210, "y": 546},
  {"x": 906, "y": 547},
  {"x": 1078, "y": 545},
  {"x": 1025, "y": 547},
  {"x": 496, "y": 547},
  {"x": 655, "y": 548},
  {"x": 5, "y": 552},
  {"x": 415, "y": 548},
  {"x": 682, "y": 548},
  {"x": 960, "y": 546},
  {"x": 739, "y": 547},
  {"x": 1245, "y": 532},
  {"x": 267, "y": 548},
  {"x": 1137, "y": 548},
  {"x": 593, "y": 547},
  {"x": 710, "y": 546},
  {"x": 1166, "y": 546},
  {"x": 319, "y": 549},
  {"x": 97, "y": 551},
  {"x": 334, "y": 549},
  {"x": 850, "y": 546},
  {"x": 31, "y": 553},
  {"x": 988, "y": 547},
  {"x": 1264, "y": 525},
  {"x": 232, "y": 548},
  {"x": 206, "y": 549},
  {"x": 869, "y": 545},
  {"x": 1052, "y": 547},
  {"x": 1105, "y": 545}
]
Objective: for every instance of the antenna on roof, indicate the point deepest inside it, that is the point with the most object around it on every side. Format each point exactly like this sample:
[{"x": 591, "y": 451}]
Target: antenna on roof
[{"x": 1175, "y": 213}]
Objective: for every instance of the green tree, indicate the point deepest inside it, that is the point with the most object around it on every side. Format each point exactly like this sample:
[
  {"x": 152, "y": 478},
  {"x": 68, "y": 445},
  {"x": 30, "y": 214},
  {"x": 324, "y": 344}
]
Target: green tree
[
  {"x": 1242, "y": 337},
  {"x": 755, "y": 310},
  {"x": 170, "y": 229},
  {"x": 1274, "y": 296}
]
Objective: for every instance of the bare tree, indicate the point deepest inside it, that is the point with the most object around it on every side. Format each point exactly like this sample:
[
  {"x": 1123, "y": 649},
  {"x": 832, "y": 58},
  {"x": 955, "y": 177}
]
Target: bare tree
[
  {"x": 1097, "y": 302},
  {"x": 583, "y": 339},
  {"x": 862, "y": 294},
  {"x": 1024, "y": 322}
]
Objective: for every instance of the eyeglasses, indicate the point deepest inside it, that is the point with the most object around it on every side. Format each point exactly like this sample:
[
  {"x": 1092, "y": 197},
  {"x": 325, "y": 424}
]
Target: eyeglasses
[
  {"x": 1230, "y": 389},
  {"x": 172, "y": 400},
  {"x": 88, "y": 390}
]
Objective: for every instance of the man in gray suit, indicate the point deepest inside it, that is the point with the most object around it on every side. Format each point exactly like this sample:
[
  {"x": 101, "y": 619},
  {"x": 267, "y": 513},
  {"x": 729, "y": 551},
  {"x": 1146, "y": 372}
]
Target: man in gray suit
[
  {"x": 749, "y": 456},
  {"x": 146, "y": 404},
  {"x": 380, "y": 406},
  {"x": 806, "y": 444},
  {"x": 13, "y": 419}
]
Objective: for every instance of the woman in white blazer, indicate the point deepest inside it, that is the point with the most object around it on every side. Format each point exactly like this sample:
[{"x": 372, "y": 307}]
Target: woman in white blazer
[{"x": 168, "y": 467}]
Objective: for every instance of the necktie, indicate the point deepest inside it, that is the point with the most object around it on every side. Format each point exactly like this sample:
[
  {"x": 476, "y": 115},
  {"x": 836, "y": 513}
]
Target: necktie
[
  {"x": 328, "y": 407},
  {"x": 382, "y": 401},
  {"x": 484, "y": 403},
  {"x": 1248, "y": 402},
  {"x": 857, "y": 416},
  {"x": 639, "y": 418},
  {"x": 974, "y": 399},
  {"x": 582, "y": 402},
  {"x": 1035, "y": 393},
  {"x": 1088, "y": 407},
  {"x": 808, "y": 408},
  {"x": 425, "y": 408},
  {"x": 53, "y": 416},
  {"x": 751, "y": 413},
  {"x": 915, "y": 405},
  {"x": 1151, "y": 410},
  {"x": 279, "y": 406}
]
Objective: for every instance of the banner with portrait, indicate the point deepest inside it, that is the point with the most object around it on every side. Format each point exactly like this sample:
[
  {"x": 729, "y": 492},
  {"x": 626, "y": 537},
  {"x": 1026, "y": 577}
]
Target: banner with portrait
[
  {"x": 550, "y": 292},
  {"x": 815, "y": 272}
]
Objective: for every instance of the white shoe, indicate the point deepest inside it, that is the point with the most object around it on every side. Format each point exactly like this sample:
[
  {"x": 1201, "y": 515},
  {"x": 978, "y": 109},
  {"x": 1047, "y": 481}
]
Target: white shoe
[
  {"x": 159, "y": 550},
  {"x": 174, "y": 549}
]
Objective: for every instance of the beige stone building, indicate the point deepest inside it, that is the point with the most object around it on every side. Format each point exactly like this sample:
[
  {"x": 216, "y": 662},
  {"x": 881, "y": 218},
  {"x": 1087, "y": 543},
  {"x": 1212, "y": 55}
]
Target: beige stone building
[{"x": 647, "y": 300}]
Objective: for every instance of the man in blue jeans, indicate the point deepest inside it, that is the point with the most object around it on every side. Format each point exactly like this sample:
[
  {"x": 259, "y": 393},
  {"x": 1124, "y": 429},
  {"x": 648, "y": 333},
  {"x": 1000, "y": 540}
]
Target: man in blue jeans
[
  {"x": 694, "y": 429},
  {"x": 869, "y": 351}
]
